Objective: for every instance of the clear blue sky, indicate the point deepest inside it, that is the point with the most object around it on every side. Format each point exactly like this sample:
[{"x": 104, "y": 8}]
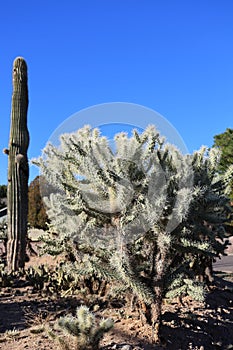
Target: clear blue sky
[{"x": 175, "y": 57}]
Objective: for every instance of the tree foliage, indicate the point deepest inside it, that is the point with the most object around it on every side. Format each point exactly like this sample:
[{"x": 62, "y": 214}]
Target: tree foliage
[
  {"x": 224, "y": 142},
  {"x": 3, "y": 196},
  {"x": 140, "y": 213},
  {"x": 37, "y": 216}
]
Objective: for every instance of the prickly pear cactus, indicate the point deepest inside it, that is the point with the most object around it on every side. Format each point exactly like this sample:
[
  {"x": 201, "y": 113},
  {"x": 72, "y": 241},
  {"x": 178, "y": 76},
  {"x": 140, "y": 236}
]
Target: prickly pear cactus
[{"x": 18, "y": 171}]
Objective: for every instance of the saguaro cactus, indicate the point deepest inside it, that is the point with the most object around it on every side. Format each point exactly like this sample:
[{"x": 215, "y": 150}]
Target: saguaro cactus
[{"x": 18, "y": 171}]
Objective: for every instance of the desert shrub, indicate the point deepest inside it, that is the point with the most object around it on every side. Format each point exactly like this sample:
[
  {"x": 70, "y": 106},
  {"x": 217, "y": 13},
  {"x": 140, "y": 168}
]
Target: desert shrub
[
  {"x": 84, "y": 328},
  {"x": 141, "y": 215}
]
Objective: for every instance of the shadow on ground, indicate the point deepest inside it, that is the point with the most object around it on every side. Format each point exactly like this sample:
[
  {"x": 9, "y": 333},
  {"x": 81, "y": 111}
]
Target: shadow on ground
[{"x": 187, "y": 326}]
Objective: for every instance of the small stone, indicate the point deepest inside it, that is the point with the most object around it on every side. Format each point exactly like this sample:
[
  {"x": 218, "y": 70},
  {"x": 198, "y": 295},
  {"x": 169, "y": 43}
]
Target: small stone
[
  {"x": 96, "y": 307},
  {"x": 226, "y": 311},
  {"x": 30, "y": 290},
  {"x": 126, "y": 347}
]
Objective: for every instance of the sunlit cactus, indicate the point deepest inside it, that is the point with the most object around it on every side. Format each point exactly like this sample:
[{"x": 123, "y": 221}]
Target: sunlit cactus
[
  {"x": 18, "y": 171},
  {"x": 84, "y": 328}
]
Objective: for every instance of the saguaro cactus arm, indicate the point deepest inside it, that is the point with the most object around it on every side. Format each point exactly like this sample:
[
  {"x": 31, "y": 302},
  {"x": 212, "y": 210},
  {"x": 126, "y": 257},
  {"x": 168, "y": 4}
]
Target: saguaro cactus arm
[{"x": 18, "y": 171}]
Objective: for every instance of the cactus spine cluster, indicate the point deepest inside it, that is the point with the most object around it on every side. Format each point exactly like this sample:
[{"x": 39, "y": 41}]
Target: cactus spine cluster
[{"x": 18, "y": 170}]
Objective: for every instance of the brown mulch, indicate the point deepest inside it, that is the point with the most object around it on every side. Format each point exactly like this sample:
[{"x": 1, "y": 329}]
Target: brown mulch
[{"x": 24, "y": 316}]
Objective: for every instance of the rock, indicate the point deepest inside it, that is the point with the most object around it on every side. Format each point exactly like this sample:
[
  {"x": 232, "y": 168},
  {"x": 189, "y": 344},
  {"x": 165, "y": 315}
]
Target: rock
[{"x": 126, "y": 347}]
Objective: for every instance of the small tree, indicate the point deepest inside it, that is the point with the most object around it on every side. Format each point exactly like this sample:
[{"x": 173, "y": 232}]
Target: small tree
[
  {"x": 37, "y": 216},
  {"x": 224, "y": 142},
  {"x": 127, "y": 212}
]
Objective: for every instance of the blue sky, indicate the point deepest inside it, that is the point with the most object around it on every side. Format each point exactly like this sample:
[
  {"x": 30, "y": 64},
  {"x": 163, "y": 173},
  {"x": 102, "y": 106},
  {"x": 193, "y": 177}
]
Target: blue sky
[{"x": 175, "y": 57}]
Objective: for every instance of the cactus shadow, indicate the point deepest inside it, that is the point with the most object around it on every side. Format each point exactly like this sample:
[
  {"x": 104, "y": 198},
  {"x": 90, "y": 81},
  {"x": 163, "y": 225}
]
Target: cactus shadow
[{"x": 15, "y": 309}]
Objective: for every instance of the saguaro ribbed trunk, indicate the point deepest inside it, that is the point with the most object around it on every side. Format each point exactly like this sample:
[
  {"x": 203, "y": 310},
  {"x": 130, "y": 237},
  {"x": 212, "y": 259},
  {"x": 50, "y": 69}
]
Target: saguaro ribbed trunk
[{"x": 18, "y": 171}]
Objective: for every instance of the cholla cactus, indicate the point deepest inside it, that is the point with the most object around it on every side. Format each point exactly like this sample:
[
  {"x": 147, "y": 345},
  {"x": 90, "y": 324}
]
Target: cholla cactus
[
  {"x": 129, "y": 212},
  {"x": 84, "y": 328}
]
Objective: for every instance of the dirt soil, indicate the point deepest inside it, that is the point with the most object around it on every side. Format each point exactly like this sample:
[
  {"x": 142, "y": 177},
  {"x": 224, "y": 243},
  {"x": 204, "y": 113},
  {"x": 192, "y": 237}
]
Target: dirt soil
[{"x": 25, "y": 317}]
